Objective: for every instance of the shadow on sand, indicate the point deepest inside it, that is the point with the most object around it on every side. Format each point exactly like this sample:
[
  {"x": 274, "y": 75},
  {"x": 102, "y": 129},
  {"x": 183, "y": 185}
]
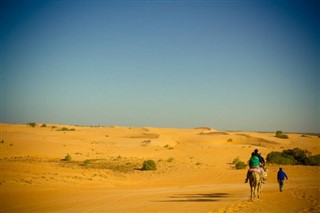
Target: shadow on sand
[{"x": 211, "y": 197}]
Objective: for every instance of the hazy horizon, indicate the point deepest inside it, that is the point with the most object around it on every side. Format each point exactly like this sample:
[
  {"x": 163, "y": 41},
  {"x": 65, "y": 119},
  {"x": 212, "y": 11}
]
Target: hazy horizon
[{"x": 228, "y": 65}]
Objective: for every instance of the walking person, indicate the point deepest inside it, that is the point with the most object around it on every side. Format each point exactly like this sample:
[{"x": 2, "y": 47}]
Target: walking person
[{"x": 281, "y": 176}]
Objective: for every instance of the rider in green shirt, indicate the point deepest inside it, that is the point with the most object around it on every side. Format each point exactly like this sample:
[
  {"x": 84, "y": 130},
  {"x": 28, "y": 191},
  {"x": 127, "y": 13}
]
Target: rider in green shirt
[{"x": 254, "y": 162}]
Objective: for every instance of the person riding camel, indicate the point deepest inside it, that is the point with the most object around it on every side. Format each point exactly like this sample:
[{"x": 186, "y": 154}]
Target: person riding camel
[
  {"x": 254, "y": 162},
  {"x": 261, "y": 159},
  {"x": 262, "y": 165}
]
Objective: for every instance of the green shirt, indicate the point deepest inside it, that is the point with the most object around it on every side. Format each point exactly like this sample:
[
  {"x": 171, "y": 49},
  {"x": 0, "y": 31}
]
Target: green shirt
[{"x": 254, "y": 161}]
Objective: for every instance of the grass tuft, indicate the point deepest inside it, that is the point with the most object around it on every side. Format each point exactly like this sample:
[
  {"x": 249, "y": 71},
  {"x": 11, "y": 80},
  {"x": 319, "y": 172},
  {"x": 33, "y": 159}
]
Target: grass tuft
[
  {"x": 149, "y": 165},
  {"x": 67, "y": 158}
]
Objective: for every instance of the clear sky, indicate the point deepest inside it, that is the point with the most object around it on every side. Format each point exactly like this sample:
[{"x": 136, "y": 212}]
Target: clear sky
[{"x": 232, "y": 65}]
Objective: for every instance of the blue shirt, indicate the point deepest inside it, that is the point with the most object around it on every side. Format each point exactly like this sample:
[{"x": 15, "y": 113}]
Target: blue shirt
[{"x": 282, "y": 175}]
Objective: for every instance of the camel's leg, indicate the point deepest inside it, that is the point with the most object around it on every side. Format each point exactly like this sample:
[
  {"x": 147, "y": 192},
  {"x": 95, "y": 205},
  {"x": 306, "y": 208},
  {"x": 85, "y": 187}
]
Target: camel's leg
[
  {"x": 253, "y": 191},
  {"x": 258, "y": 190}
]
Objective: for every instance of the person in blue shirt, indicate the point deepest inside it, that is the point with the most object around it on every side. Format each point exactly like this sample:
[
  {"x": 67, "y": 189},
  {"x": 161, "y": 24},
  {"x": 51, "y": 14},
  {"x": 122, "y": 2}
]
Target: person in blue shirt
[{"x": 281, "y": 176}]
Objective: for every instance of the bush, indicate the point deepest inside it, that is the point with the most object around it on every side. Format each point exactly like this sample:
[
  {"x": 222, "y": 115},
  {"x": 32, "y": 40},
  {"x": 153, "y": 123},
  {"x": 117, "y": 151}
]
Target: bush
[
  {"x": 67, "y": 158},
  {"x": 280, "y": 134},
  {"x": 229, "y": 140},
  {"x": 44, "y": 125},
  {"x": 241, "y": 165},
  {"x": 294, "y": 156},
  {"x": 66, "y": 129},
  {"x": 168, "y": 147},
  {"x": 149, "y": 165},
  {"x": 280, "y": 158},
  {"x": 87, "y": 162},
  {"x": 170, "y": 160},
  {"x": 32, "y": 124},
  {"x": 314, "y": 160},
  {"x": 301, "y": 156},
  {"x": 236, "y": 160}
]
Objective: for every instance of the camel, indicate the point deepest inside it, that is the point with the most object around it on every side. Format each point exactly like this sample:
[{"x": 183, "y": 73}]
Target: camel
[{"x": 255, "y": 181}]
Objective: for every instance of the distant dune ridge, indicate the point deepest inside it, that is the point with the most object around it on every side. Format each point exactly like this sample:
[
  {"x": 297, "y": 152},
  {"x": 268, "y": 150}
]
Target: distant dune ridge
[{"x": 194, "y": 170}]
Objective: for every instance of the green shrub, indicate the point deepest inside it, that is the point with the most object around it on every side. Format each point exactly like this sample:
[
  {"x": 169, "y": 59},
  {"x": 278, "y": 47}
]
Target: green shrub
[
  {"x": 301, "y": 156},
  {"x": 32, "y": 124},
  {"x": 66, "y": 129},
  {"x": 314, "y": 160},
  {"x": 149, "y": 165},
  {"x": 44, "y": 125},
  {"x": 236, "y": 160},
  {"x": 280, "y": 134},
  {"x": 295, "y": 156},
  {"x": 67, "y": 158},
  {"x": 170, "y": 160},
  {"x": 280, "y": 158},
  {"x": 168, "y": 147},
  {"x": 87, "y": 162},
  {"x": 241, "y": 165}
]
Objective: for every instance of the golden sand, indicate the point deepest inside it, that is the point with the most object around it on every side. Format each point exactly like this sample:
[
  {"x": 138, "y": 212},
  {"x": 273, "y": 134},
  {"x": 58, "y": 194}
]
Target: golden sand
[{"x": 194, "y": 171}]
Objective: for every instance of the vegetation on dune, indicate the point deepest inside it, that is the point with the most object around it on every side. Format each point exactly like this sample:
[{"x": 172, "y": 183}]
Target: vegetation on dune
[
  {"x": 44, "y": 125},
  {"x": 32, "y": 124},
  {"x": 294, "y": 156},
  {"x": 87, "y": 162},
  {"x": 314, "y": 160},
  {"x": 170, "y": 160},
  {"x": 238, "y": 164},
  {"x": 67, "y": 158},
  {"x": 280, "y": 158},
  {"x": 236, "y": 160},
  {"x": 168, "y": 147},
  {"x": 66, "y": 129},
  {"x": 149, "y": 165},
  {"x": 116, "y": 164},
  {"x": 280, "y": 134},
  {"x": 145, "y": 142},
  {"x": 146, "y": 135}
]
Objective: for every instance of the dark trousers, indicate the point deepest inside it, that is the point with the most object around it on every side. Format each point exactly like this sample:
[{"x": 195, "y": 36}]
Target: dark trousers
[{"x": 280, "y": 184}]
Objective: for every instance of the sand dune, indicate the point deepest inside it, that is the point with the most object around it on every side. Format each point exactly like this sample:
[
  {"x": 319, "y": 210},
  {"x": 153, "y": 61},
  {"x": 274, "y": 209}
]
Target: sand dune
[{"x": 194, "y": 171}]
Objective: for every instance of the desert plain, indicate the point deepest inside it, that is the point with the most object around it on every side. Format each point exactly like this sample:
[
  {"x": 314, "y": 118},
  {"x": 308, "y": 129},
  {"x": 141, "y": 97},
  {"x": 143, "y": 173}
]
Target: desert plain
[{"x": 194, "y": 170}]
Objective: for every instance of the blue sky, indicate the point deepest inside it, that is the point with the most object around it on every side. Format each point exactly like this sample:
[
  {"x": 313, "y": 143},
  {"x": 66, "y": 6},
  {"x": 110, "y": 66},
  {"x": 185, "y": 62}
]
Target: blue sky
[{"x": 233, "y": 65}]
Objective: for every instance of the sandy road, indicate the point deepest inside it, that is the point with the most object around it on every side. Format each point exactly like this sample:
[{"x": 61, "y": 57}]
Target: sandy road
[
  {"x": 201, "y": 198},
  {"x": 300, "y": 195}
]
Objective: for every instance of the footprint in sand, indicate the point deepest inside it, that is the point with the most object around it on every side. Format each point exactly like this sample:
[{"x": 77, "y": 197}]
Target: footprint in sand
[
  {"x": 315, "y": 205},
  {"x": 235, "y": 208}
]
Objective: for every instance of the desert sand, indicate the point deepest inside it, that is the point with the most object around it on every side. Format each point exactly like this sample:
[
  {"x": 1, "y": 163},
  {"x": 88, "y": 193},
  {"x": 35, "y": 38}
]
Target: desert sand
[{"x": 194, "y": 170}]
